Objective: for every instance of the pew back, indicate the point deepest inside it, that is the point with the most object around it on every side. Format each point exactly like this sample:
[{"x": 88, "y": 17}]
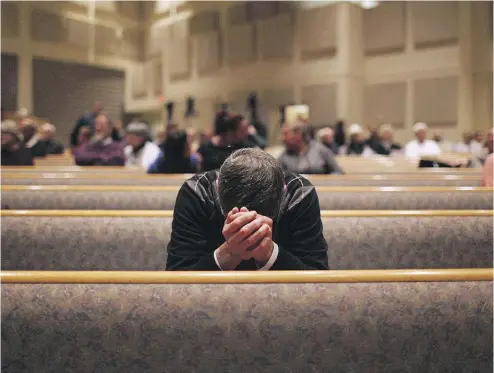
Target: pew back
[
  {"x": 136, "y": 240},
  {"x": 129, "y": 179},
  {"x": 65, "y": 197},
  {"x": 422, "y": 326}
]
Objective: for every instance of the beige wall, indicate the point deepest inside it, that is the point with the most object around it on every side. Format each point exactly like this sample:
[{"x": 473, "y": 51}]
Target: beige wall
[
  {"x": 401, "y": 62},
  {"x": 109, "y": 35}
]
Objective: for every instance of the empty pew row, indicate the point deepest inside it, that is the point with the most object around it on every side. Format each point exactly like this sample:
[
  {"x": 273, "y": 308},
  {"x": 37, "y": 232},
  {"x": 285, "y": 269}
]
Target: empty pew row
[
  {"x": 331, "y": 321},
  {"x": 70, "y": 178},
  {"x": 82, "y": 197},
  {"x": 137, "y": 240}
]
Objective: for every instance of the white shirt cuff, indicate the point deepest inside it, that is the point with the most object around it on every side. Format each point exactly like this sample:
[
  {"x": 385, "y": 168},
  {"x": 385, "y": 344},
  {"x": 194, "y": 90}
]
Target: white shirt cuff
[
  {"x": 216, "y": 259},
  {"x": 272, "y": 259}
]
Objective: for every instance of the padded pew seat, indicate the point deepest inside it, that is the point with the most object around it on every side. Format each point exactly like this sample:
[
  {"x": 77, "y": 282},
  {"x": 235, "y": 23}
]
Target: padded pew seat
[
  {"x": 128, "y": 179},
  {"x": 277, "y": 328},
  {"x": 136, "y": 242},
  {"x": 163, "y": 198}
]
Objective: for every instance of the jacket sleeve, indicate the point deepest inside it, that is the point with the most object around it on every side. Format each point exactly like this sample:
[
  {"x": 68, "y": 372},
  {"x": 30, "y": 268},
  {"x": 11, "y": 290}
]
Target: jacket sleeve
[
  {"x": 86, "y": 156},
  {"x": 115, "y": 158},
  {"x": 302, "y": 246},
  {"x": 330, "y": 163},
  {"x": 155, "y": 167},
  {"x": 188, "y": 248},
  {"x": 75, "y": 132}
]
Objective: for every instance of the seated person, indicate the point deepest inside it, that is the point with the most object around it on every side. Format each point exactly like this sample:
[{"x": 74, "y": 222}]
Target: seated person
[
  {"x": 232, "y": 132},
  {"x": 14, "y": 153},
  {"x": 357, "y": 145},
  {"x": 176, "y": 157},
  {"x": 464, "y": 146},
  {"x": 445, "y": 145},
  {"x": 140, "y": 152},
  {"x": 487, "y": 173},
  {"x": 45, "y": 143},
  {"x": 248, "y": 216},
  {"x": 385, "y": 145},
  {"x": 326, "y": 137},
  {"x": 305, "y": 156},
  {"x": 83, "y": 137},
  {"x": 421, "y": 146},
  {"x": 102, "y": 150},
  {"x": 28, "y": 129}
]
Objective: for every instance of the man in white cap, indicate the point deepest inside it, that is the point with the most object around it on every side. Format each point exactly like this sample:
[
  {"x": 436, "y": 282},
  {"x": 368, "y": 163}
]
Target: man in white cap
[
  {"x": 45, "y": 142},
  {"x": 140, "y": 152},
  {"x": 358, "y": 144},
  {"x": 421, "y": 146}
]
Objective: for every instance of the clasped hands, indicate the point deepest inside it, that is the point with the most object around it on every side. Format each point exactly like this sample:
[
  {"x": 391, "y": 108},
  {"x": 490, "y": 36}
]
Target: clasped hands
[{"x": 247, "y": 235}]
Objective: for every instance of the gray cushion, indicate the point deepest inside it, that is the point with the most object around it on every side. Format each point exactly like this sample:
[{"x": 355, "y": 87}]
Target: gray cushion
[
  {"x": 165, "y": 200},
  {"x": 361, "y": 327},
  {"x": 336, "y": 181},
  {"x": 139, "y": 243}
]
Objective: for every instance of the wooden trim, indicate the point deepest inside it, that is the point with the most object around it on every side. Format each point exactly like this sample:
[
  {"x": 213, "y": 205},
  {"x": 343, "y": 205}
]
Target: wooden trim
[
  {"x": 172, "y": 188},
  {"x": 169, "y": 213},
  {"x": 84, "y": 175},
  {"x": 233, "y": 277}
]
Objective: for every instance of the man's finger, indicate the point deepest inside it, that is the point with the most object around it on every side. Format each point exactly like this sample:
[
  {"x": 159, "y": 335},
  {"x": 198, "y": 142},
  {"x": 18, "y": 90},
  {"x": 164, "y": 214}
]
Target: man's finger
[
  {"x": 244, "y": 232},
  {"x": 244, "y": 209},
  {"x": 251, "y": 242},
  {"x": 238, "y": 223},
  {"x": 229, "y": 217}
]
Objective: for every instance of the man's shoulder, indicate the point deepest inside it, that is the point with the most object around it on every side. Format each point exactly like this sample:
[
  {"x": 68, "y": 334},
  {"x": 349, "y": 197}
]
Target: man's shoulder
[
  {"x": 299, "y": 191},
  {"x": 203, "y": 185}
]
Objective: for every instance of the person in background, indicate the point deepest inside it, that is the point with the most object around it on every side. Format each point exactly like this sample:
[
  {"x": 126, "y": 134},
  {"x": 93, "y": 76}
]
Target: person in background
[
  {"x": 13, "y": 151},
  {"x": 118, "y": 132},
  {"x": 421, "y": 146},
  {"x": 339, "y": 133},
  {"x": 476, "y": 144},
  {"x": 465, "y": 145},
  {"x": 160, "y": 136},
  {"x": 248, "y": 216},
  {"x": 83, "y": 138},
  {"x": 193, "y": 137},
  {"x": 445, "y": 145},
  {"x": 176, "y": 157},
  {"x": 232, "y": 133},
  {"x": 386, "y": 146},
  {"x": 46, "y": 143},
  {"x": 140, "y": 152},
  {"x": 102, "y": 150},
  {"x": 487, "y": 173},
  {"x": 255, "y": 139},
  {"x": 374, "y": 138},
  {"x": 305, "y": 156},
  {"x": 88, "y": 120},
  {"x": 29, "y": 131},
  {"x": 326, "y": 137},
  {"x": 358, "y": 144}
]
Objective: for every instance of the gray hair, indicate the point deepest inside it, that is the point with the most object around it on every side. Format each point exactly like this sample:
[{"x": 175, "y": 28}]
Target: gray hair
[{"x": 251, "y": 178}]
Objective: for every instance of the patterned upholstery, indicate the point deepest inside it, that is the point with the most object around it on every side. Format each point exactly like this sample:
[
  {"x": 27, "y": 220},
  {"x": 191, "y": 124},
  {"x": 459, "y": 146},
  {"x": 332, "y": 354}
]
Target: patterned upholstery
[
  {"x": 165, "y": 181},
  {"x": 98, "y": 243},
  {"x": 276, "y": 328},
  {"x": 165, "y": 200}
]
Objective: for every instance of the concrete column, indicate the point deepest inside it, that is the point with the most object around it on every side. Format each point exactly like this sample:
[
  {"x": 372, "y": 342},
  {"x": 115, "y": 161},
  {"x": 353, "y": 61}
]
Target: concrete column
[
  {"x": 25, "y": 60},
  {"x": 465, "y": 78},
  {"x": 350, "y": 62}
]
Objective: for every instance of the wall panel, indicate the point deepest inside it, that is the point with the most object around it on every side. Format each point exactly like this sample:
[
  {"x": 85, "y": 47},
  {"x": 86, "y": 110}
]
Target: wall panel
[
  {"x": 435, "y": 23},
  {"x": 9, "y": 82},
  {"x": 385, "y": 103},
  {"x": 64, "y": 91},
  {"x": 384, "y": 28},
  {"x": 322, "y": 103},
  {"x": 277, "y": 37},
  {"x": 10, "y": 19},
  {"x": 436, "y": 101},
  {"x": 317, "y": 32}
]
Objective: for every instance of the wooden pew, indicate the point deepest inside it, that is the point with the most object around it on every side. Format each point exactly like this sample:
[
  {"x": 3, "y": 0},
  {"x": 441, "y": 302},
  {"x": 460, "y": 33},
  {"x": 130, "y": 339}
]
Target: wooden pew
[
  {"x": 77, "y": 178},
  {"x": 137, "y": 240},
  {"x": 125, "y": 197},
  {"x": 331, "y": 321}
]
